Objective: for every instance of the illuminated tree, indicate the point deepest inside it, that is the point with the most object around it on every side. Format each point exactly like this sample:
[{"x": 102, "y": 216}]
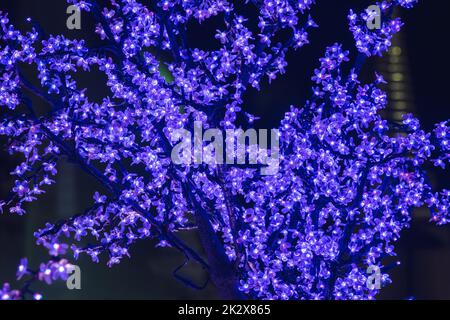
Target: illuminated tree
[{"x": 347, "y": 183}]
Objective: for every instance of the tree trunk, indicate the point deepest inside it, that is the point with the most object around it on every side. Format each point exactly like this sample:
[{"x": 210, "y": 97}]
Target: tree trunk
[{"x": 222, "y": 271}]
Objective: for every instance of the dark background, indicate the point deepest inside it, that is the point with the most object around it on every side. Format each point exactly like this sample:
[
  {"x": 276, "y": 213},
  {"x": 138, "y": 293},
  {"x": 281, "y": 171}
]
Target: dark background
[{"x": 424, "y": 250}]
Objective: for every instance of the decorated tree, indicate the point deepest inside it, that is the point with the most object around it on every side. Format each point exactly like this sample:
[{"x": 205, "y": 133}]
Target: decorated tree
[{"x": 346, "y": 182}]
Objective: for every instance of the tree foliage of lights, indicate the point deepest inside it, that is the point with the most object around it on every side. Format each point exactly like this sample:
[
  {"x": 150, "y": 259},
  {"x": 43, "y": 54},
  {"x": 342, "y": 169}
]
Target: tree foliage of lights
[{"x": 348, "y": 179}]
